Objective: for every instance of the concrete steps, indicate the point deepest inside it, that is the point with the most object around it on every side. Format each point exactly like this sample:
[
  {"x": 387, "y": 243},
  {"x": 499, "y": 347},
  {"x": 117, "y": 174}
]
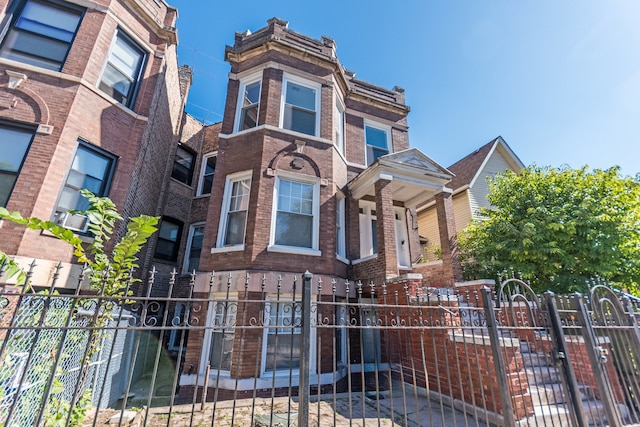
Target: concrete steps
[{"x": 549, "y": 398}]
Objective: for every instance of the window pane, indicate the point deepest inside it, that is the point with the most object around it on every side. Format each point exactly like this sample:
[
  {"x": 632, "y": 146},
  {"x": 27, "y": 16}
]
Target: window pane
[
  {"x": 195, "y": 248},
  {"x": 376, "y": 137},
  {"x": 89, "y": 170},
  {"x": 115, "y": 84},
  {"x": 49, "y": 21},
  {"x": 13, "y": 148},
  {"x": 165, "y": 249},
  {"x": 295, "y": 197},
  {"x": 235, "y": 228},
  {"x": 299, "y": 120},
  {"x": 294, "y": 230},
  {"x": 70, "y": 199},
  {"x": 207, "y": 177},
  {"x": 14, "y": 144},
  {"x": 28, "y": 47},
  {"x": 168, "y": 240},
  {"x": 374, "y": 153},
  {"x": 222, "y": 335},
  {"x": 284, "y": 339},
  {"x": 169, "y": 231},
  {"x": 90, "y": 163},
  {"x": 249, "y": 117},
  {"x": 301, "y": 96},
  {"x": 183, "y": 166},
  {"x": 240, "y": 196},
  {"x": 252, "y": 94},
  {"x": 374, "y": 235},
  {"x": 221, "y": 350},
  {"x": 125, "y": 58}
]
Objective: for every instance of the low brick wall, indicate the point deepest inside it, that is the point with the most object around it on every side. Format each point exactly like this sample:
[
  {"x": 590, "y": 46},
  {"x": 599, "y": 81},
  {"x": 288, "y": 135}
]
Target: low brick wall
[{"x": 430, "y": 348}]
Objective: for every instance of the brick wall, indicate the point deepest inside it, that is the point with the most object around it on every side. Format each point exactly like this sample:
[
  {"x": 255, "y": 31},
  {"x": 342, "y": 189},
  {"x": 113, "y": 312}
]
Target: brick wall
[
  {"x": 76, "y": 109},
  {"x": 445, "y": 360}
]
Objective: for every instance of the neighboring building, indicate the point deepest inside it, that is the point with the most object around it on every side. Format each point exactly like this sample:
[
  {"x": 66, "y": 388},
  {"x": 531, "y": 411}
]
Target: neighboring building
[
  {"x": 470, "y": 188},
  {"x": 90, "y": 97},
  {"x": 313, "y": 172}
]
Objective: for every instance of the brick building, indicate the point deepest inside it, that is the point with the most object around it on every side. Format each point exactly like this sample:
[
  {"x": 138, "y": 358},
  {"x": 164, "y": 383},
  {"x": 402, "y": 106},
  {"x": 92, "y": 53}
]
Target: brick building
[
  {"x": 310, "y": 170},
  {"x": 90, "y": 97}
]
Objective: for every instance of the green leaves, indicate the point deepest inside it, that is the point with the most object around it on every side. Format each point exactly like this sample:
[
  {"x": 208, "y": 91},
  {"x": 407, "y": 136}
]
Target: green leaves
[
  {"x": 560, "y": 227},
  {"x": 109, "y": 273}
]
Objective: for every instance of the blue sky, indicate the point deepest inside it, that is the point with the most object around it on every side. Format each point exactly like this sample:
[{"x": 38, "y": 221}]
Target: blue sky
[{"x": 559, "y": 80}]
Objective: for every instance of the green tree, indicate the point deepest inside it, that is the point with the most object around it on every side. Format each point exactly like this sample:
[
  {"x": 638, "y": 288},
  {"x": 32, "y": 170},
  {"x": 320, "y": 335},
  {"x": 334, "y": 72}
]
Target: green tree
[
  {"x": 109, "y": 270},
  {"x": 109, "y": 273},
  {"x": 558, "y": 228}
]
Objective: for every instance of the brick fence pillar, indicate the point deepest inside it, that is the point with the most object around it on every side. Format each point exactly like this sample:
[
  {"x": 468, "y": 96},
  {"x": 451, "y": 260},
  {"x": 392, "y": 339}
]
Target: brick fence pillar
[
  {"x": 448, "y": 239},
  {"x": 385, "y": 226}
]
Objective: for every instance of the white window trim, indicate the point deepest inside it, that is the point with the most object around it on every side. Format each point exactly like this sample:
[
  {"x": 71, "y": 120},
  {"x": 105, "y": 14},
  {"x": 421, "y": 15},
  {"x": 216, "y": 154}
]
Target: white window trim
[
  {"x": 265, "y": 336},
  {"x": 206, "y": 342},
  {"x": 341, "y": 321},
  {"x": 244, "y": 82},
  {"x": 308, "y": 84},
  {"x": 366, "y": 236},
  {"x": 379, "y": 126},
  {"x": 339, "y": 108},
  {"x": 401, "y": 221},
  {"x": 187, "y": 251},
  {"x": 224, "y": 211},
  {"x": 314, "y": 249},
  {"x": 203, "y": 168},
  {"x": 174, "y": 327}
]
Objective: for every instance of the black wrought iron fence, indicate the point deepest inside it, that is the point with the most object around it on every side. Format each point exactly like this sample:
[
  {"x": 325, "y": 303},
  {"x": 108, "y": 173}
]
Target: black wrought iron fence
[{"x": 260, "y": 350}]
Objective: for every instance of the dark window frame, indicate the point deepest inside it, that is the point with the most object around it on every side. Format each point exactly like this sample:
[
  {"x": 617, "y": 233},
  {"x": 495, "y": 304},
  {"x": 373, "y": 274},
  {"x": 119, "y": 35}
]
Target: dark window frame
[
  {"x": 14, "y": 13},
  {"x": 131, "y": 96},
  {"x": 188, "y": 172},
  {"x": 106, "y": 182},
  {"x": 176, "y": 243},
  {"x": 27, "y": 129}
]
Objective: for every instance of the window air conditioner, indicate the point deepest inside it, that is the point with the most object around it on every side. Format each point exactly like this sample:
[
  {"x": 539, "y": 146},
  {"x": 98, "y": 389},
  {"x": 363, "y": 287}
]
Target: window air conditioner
[{"x": 79, "y": 223}]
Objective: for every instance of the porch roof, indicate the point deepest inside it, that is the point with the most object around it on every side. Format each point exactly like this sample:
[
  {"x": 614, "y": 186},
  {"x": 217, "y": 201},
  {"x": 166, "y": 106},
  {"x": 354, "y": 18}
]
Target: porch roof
[{"x": 414, "y": 177}]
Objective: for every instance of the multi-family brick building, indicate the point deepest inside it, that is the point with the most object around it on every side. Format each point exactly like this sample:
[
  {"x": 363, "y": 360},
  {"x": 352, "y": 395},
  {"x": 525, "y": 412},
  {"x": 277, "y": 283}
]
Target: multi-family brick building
[
  {"x": 90, "y": 97},
  {"x": 310, "y": 169},
  {"x": 313, "y": 172}
]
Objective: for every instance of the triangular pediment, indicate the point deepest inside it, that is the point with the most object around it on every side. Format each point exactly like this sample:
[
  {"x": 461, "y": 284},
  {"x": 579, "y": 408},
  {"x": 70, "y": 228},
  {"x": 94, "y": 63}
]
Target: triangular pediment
[{"x": 415, "y": 158}]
